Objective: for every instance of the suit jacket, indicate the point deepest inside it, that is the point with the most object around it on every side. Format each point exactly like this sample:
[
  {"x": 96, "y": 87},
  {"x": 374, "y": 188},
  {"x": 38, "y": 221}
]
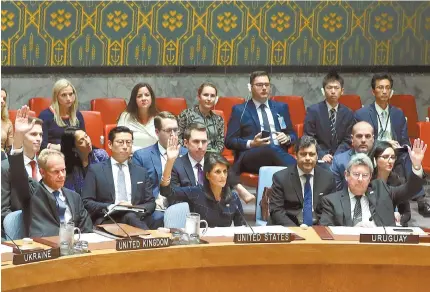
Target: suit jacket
[
  {"x": 336, "y": 207},
  {"x": 286, "y": 202},
  {"x": 182, "y": 173},
  {"x": 99, "y": 189},
  {"x": 242, "y": 128},
  {"x": 9, "y": 196},
  {"x": 338, "y": 166},
  {"x": 39, "y": 205},
  {"x": 149, "y": 158},
  {"x": 399, "y": 128},
  {"x": 317, "y": 125}
]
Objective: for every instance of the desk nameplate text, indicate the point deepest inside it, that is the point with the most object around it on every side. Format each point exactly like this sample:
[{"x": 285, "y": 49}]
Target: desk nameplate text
[
  {"x": 141, "y": 243},
  {"x": 36, "y": 256},
  {"x": 390, "y": 238},
  {"x": 263, "y": 237}
]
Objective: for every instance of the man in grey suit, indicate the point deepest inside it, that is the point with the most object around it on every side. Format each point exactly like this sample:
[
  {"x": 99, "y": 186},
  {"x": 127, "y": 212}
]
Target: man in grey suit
[
  {"x": 46, "y": 202},
  {"x": 297, "y": 190},
  {"x": 364, "y": 203},
  {"x": 116, "y": 181}
]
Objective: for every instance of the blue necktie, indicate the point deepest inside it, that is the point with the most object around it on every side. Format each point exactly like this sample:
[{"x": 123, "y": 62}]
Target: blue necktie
[
  {"x": 266, "y": 124},
  {"x": 307, "y": 202},
  {"x": 61, "y": 206}
]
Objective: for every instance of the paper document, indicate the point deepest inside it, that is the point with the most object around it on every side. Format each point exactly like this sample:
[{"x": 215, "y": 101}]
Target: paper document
[
  {"x": 120, "y": 208},
  {"x": 94, "y": 237},
  {"x": 230, "y": 231},
  {"x": 341, "y": 230},
  {"x": 5, "y": 248}
]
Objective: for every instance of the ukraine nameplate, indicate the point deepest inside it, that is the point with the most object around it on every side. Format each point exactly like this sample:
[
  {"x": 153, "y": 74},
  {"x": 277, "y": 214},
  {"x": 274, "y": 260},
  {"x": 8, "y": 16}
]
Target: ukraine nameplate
[
  {"x": 263, "y": 237},
  {"x": 36, "y": 256},
  {"x": 390, "y": 238},
  {"x": 142, "y": 243}
]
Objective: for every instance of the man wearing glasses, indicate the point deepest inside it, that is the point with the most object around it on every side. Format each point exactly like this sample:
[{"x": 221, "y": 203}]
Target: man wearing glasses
[
  {"x": 366, "y": 203},
  {"x": 260, "y": 130},
  {"x": 154, "y": 158},
  {"x": 116, "y": 181}
]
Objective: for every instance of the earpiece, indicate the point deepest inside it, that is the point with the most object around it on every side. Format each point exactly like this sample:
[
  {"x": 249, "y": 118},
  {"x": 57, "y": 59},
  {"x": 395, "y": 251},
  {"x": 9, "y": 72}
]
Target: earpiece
[
  {"x": 249, "y": 87},
  {"x": 374, "y": 162},
  {"x": 216, "y": 100},
  {"x": 392, "y": 92},
  {"x": 323, "y": 92}
]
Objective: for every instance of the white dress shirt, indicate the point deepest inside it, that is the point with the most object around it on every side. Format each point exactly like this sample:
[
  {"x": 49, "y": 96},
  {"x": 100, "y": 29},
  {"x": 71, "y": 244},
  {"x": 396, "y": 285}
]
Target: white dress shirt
[
  {"x": 195, "y": 170},
  {"x": 269, "y": 117},
  {"x": 365, "y": 209},
  {"x": 303, "y": 182},
  {"x": 68, "y": 213},
  {"x": 161, "y": 201},
  {"x": 28, "y": 167},
  {"x": 126, "y": 170},
  {"x": 329, "y": 107},
  {"x": 387, "y": 135}
]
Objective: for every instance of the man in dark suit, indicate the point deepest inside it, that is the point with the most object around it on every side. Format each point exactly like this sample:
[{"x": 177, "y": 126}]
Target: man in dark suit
[
  {"x": 153, "y": 159},
  {"x": 329, "y": 122},
  {"x": 366, "y": 205},
  {"x": 250, "y": 120},
  {"x": 389, "y": 124},
  {"x": 46, "y": 203},
  {"x": 119, "y": 182},
  {"x": 297, "y": 190},
  {"x": 31, "y": 146}
]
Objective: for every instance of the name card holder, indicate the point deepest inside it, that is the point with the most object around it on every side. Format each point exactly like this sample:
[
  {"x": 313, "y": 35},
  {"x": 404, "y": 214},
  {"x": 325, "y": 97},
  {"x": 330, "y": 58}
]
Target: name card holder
[
  {"x": 263, "y": 237},
  {"x": 390, "y": 238},
  {"x": 36, "y": 256},
  {"x": 141, "y": 243}
]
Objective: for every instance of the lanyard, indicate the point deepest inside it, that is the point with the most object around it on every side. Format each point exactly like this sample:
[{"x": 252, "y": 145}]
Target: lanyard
[{"x": 384, "y": 129}]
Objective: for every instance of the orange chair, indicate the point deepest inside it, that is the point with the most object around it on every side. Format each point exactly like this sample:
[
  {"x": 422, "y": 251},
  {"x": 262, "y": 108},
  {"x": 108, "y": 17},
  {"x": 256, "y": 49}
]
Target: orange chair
[
  {"x": 424, "y": 134},
  {"x": 296, "y": 106},
  {"x": 109, "y": 107},
  {"x": 407, "y": 104},
  {"x": 352, "y": 101},
  {"x": 226, "y": 103},
  {"x": 38, "y": 104},
  {"x": 12, "y": 115},
  {"x": 175, "y": 105},
  {"x": 227, "y": 153},
  {"x": 107, "y": 129},
  {"x": 94, "y": 127},
  {"x": 249, "y": 179}
]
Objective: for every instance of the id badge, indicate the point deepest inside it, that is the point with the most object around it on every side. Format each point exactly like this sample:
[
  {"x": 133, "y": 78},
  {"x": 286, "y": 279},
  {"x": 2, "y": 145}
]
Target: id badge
[{"x": 282, "y": 122}]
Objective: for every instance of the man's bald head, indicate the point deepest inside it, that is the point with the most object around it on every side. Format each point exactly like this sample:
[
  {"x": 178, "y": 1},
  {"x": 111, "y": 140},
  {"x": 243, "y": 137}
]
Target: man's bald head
[{"x": 362, "y": 137}]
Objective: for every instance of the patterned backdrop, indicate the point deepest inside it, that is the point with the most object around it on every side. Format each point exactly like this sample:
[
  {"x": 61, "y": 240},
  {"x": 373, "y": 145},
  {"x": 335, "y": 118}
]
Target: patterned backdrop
[{"x": 224, "y": 33}]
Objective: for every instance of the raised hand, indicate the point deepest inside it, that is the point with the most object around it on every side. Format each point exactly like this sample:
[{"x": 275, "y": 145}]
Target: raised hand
[
  {"x": 22, "y": 125},
  {"x": 417, "y": 152},
  {"x": 173, "y": 147}
]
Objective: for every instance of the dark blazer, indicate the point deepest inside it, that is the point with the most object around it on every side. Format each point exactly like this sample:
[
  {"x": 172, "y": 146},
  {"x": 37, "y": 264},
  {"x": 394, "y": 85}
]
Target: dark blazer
[
  {"x": 149, "y": 158},
  {"x": 39, "y": 205},
  {"x": 286, "y": 202},
  {"x": 182, "y": 173},
  {"x": 99, "y": 189},
  {"x": 338, "y": 167},
  {"x": 399, "y": 128},
  {"x": 317, "y": 125},
  {"x": 9, "y": 197},
  {"x": 242, "y": 128},
  {"x": 336, "y": 207}
]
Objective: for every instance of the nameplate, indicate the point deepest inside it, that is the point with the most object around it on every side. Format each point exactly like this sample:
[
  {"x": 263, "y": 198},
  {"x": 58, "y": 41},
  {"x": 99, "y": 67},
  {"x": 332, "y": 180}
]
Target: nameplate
[
  {"x": 142, "y": 243},
  {"x": 390, "y": 238},
  {"x": 36, "y": 256},
  {"x": 263, "y": 237}
]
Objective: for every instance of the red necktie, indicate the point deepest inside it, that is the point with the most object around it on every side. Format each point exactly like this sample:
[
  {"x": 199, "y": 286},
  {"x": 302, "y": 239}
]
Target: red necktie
[{"x": 33, "y": 169}]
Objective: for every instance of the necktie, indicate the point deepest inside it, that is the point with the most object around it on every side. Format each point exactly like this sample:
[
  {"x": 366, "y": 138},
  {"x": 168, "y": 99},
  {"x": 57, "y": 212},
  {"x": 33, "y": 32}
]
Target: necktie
[
  {"x": 33, "y": 169},
  {"x": 199, "y": 174},
  {"x": 383, "y": 129},
  {"x": 333, "y": 123},
  {"x": 266, "y": 125},
  {"x": 307, "y": 202},
  {"x": 61, "y": 206},
  {"x": 357, "y": 211},
  {"x": 120, "y": 182}
]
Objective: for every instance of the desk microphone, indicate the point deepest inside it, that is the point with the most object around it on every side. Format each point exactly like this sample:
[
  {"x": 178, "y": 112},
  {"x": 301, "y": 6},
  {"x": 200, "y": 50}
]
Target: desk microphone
[
  {"x": 379, "y": 217},
  {"x": 243, "y": 217},
  {"x": 110, "y": 217},
  {"x": 16, "y": 245}
]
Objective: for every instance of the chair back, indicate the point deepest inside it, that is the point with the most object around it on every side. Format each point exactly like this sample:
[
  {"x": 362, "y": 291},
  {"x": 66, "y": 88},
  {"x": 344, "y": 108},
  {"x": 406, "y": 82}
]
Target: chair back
[
  {"x": 407, "y": 104},
  {"x": 424, "y": 134},
  {"x": 38, "y": 104},
  {"x": 226, "y": 103},
  {"x": 94, "y": 127},
  {"x": 296, "y": 106},
  {"x": 176, "y": 215},
  {"x": 174, "y": 105},
  {"x": 264, "y": 180},
  {"x": 109, "y": 107},
  {"x": 106, "y": 131},
  {"x": 13, "y": 225},
  {"x": 353, "y": 101},
  {"x": 12, "y": 115}
]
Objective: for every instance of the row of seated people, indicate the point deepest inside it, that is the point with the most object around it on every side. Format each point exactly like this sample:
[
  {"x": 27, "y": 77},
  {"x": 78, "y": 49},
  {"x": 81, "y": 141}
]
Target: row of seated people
[{"x": 46, "y": 203}]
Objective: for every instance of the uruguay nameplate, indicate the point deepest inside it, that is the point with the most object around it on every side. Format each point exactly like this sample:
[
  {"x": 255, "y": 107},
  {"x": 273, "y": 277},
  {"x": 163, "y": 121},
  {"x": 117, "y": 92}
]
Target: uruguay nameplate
[
  {"x": 263, "y": 237},
  {"x": 142, "y": 243},
  {"x": 36, "y": 256},
  {"x": 390, "y": 238}
]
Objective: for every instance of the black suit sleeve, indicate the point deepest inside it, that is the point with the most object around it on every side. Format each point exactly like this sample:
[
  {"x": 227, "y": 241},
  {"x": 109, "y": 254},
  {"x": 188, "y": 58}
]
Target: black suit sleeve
[
  {"x": 147, "y": 199},
  {"x": 5, "y": 193},
  {"x": 406, "y": 191},
  {"x": 85, "y": 224},
  {"x": 174, "y": 180},
  {"x": 176, "y": 194},
  {"x": 276, "y": 204},
  {"x": 310, "y": 130},
  {"x": 89, "y": 192},
  {"x": 18, "y": 175},
  {"x": 345, "y": 144},
  {"x": 237, "y": 218},
  {"x": 327, "y": 216}
]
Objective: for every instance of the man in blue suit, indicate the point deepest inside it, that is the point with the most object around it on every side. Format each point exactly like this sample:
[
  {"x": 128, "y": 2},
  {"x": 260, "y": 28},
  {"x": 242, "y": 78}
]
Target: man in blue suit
[
  {"x": 389, "y": 124},
  {"x": 153, "y": 159},
  {"x": 250, "y": 120},
  {"x": 329, "y": 122}
]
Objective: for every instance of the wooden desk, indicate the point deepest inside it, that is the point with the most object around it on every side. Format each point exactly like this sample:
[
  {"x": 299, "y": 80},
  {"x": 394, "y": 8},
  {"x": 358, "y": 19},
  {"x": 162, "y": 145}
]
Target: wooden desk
[{"x": 306, "y": 265}]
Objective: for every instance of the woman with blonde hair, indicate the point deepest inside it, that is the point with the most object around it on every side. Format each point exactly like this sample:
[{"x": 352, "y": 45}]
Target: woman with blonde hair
[
  {"x": 139, "y": 116},
  {"x": 6, "y": 125},
  {"x": 62, "y": 113}
]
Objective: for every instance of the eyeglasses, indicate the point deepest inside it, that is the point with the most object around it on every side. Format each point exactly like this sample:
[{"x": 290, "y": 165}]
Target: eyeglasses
[
  {"x": 357, "y": 175},
  {"x": 262, "y": 84},
  {"x": 170, "y": 131},
  {"x": 387, "y": 157},
  {"x": 127, "y": 142}
]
